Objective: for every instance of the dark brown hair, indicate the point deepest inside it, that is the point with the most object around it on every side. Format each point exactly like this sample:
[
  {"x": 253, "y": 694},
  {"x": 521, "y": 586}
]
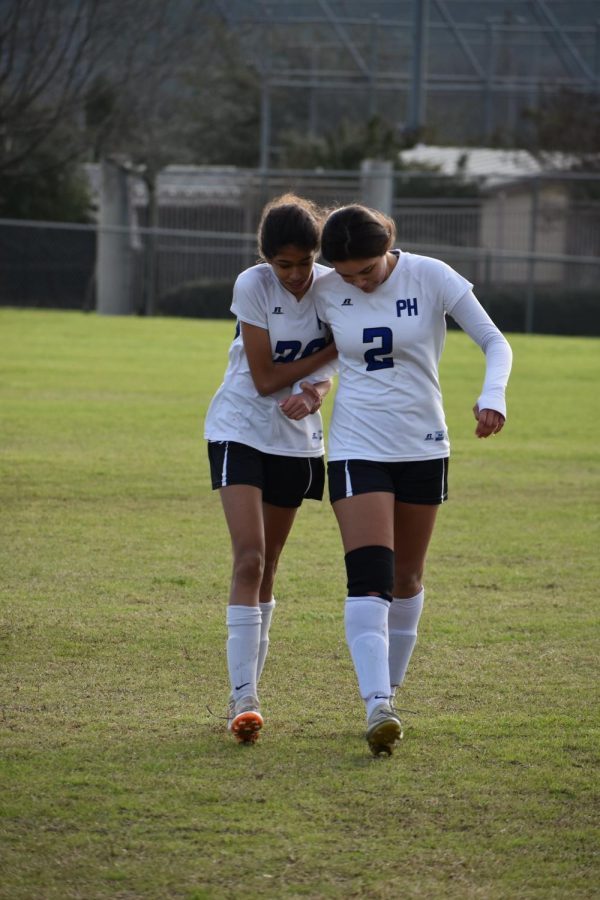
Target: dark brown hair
[
  {"x": 356, "y": 232},
  {"x": 289, "y": 220}
]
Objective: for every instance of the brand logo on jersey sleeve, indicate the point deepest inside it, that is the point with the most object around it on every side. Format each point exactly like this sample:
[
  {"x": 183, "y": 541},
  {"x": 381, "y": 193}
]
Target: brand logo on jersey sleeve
[
  {"x": 408, "y": 307},
  {"x": 347, "y": 302},
  {"x": 278, "y": 311}
]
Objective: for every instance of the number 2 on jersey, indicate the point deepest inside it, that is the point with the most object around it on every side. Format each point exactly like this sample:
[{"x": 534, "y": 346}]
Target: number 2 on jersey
[{"x": 378, "y": 357}]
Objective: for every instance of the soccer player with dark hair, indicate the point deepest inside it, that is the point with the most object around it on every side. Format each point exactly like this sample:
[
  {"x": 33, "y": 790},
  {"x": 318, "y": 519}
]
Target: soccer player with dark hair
[
  {"x": 388, "y": 445},
  {"x": 265, "y": 433}
]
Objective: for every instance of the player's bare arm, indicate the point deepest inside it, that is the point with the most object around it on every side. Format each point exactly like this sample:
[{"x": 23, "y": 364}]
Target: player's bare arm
[{"x": 269, "y": 376}]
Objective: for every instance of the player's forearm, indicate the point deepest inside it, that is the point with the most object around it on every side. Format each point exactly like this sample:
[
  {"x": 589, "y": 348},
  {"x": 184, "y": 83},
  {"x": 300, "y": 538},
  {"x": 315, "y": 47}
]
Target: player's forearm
[
  {"x": 273, "y": 376},
  {"x": 474, "y": 320}
]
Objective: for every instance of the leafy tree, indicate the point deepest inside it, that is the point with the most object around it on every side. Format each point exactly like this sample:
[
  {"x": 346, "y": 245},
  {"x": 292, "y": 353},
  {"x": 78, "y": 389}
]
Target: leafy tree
[
  {"x": 566, "y": 136},
  {"x": 223, "y": 110},
  {"x": 188, "y": 97},
  {"x": 567, "y": 122},
  {"x": 44, "y": 187},
  {"x": 343, "y": 147},
  {"x": 346, "y": 146}
]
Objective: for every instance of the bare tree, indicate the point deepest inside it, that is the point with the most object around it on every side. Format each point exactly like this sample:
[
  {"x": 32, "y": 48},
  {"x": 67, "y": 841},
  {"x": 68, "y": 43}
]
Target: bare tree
[
  {"x": 48, "y": 54},
  {"x": 150, "y": 121},
  {"x": 144, "y": 82},
  {"x": 60, "y": 59}
]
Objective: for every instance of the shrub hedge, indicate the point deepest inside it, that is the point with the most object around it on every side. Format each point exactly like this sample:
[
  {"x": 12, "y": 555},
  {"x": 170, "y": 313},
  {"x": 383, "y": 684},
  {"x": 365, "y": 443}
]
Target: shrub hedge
[
  {"x": 198, "y": 300},
  {"x": 554, "y": 310}
]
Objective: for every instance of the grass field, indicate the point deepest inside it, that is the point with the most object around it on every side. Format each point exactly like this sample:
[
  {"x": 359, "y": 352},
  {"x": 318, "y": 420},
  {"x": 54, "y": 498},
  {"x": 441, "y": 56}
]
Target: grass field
[{"x": 115, "y": 780}]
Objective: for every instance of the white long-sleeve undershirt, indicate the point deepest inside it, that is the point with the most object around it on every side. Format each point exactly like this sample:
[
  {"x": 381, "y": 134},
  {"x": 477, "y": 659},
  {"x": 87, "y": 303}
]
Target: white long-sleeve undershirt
[{"x": 470, "y": 315}]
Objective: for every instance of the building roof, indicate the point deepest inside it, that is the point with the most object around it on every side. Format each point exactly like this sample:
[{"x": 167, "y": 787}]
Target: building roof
[
  {"x": 182, "y": 183},
  {"x": 489, "y": 166}
]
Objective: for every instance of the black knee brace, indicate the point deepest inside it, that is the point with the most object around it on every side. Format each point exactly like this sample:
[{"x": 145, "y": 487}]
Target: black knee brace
[{"x": 370, "y": 570}]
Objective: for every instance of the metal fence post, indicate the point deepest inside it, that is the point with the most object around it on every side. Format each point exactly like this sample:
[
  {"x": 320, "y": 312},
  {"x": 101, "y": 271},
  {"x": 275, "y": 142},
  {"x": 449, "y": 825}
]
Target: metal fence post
[
  {"x": 113, "y": 266},
  {"x": 377, "y": 184},
  {"x": 533, "y": 222}
]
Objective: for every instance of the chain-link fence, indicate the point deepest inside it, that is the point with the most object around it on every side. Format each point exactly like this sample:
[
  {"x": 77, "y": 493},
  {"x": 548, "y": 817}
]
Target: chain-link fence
[{"x": 528, "y": 240}]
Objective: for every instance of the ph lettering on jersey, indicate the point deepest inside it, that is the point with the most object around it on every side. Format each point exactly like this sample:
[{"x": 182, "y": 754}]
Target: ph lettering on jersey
[{"x": 407, "y": 306}]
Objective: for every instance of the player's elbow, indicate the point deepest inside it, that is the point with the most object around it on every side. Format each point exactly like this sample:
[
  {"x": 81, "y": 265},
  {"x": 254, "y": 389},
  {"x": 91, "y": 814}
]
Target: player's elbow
[{"x": 264, "y": 384}]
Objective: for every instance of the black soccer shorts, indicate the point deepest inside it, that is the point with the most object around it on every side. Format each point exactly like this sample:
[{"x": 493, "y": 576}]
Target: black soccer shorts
[
  {"x": 424, "y": 482},
  {"x": 284, "y": 480}
]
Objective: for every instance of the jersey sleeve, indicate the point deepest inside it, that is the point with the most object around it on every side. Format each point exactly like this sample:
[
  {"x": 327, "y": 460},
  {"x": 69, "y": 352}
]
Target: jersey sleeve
[
  {"x": 249, "y": 300},
  {"x": 452, "y": 286},
  {"x": 473, "y": 319},
  {"x": 440, "y": 282}
]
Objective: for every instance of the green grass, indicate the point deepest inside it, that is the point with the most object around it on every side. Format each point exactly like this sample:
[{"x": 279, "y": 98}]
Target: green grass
[{"x": 115, "y": 563}]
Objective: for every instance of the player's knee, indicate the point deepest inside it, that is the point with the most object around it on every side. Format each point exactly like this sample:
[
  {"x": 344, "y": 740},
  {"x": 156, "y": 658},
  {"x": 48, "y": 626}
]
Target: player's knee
[
  {"x": 249, "y": 566},
  {"x": 370, "y": 571}
]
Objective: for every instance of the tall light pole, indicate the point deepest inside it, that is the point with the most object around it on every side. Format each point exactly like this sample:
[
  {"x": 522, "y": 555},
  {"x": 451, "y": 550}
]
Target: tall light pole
[{"x": 418, "y": 90}]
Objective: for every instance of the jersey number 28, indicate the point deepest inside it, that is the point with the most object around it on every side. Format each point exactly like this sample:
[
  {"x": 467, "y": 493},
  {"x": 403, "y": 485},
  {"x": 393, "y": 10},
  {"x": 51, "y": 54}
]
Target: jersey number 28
[{"x": 289, "y": 350}]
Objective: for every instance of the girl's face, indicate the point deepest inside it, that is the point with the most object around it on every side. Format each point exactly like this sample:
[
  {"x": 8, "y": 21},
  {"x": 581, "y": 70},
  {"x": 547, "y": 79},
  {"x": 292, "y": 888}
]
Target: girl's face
[
  {"x": 366, "y": 274},
  {"x": 293, "y": 267}
]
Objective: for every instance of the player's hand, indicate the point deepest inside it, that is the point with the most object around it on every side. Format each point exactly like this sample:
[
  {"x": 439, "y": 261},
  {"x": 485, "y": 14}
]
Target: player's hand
[
  {"x": 297, "y": 406},
  {"x": 309, "y": 388},
  {"x": 489, "y": 422}
]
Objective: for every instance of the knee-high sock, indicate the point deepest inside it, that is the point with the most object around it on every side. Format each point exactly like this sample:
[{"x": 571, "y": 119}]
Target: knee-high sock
[
  {"x": 403, "y": 620},
  {"x": 266, "y": 610},
  {"x": 366, "y": 624},
  {"x": 243, "y": 629}
]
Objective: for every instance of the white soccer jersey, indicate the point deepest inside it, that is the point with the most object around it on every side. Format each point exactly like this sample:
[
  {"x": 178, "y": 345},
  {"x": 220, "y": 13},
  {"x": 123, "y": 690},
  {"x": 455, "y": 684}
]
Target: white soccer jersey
[
  {"x": 237, "y": 411},
  {"x": 388, "y": 405}
]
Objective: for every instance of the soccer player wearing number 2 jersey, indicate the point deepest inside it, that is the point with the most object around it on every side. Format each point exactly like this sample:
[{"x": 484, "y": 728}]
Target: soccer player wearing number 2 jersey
[{"x": 388, "y": 446}]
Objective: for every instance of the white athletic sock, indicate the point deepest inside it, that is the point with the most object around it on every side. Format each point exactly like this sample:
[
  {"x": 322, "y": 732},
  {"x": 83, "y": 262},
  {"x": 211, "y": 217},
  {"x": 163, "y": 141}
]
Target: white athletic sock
[
  {"x": 266, "y": 610},
  {"x": 366, "y": 622},
  {"x": 243, "y": 628},
  {"x": 403, "y": 620}
]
